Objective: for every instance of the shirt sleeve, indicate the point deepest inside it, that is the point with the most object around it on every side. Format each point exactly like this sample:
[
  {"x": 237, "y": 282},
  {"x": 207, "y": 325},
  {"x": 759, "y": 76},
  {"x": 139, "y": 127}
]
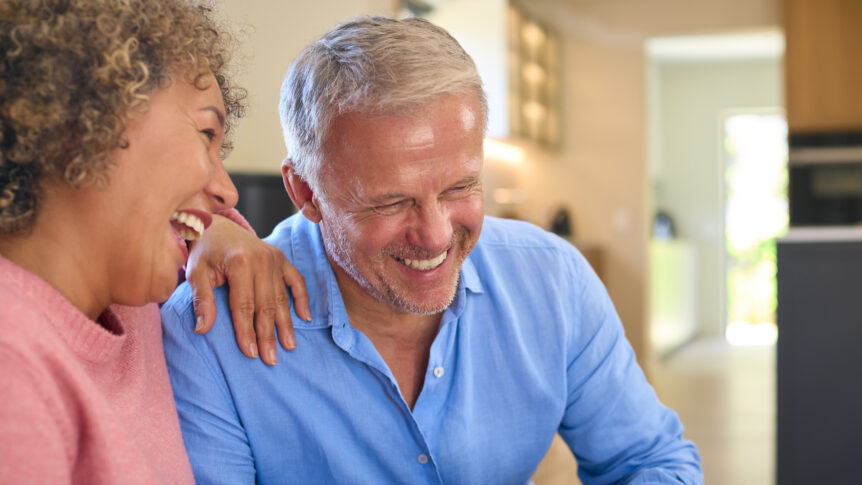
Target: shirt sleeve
[
  {"x": 32, "y": 443},
  {"x": 214, "y": 437},
  {"x": 614, "y": 423}
]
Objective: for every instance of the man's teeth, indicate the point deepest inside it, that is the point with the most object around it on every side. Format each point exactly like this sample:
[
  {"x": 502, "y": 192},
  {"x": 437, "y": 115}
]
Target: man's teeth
[
  {"x": 194, "y": 226},
  {"x": 424, "y": 264}
]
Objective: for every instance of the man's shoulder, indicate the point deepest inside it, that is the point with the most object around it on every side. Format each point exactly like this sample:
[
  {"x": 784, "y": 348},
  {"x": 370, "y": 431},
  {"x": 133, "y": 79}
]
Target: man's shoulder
[
  {"x": 508, "y": 237},
  {"x": 180, "y": 302},
  {"x": 301, "y": 242},
  {"x": 521, "y": 256},
  {"x": 283, "y": 233},
  {"x": 179, "y": 305}
]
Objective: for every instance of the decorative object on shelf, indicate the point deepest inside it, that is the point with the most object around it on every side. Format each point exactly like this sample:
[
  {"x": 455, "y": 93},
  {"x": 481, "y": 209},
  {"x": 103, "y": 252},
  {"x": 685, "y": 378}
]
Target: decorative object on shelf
[
  {"x": 534, "y": 80},
  {"x": 419, "y": 7},
  {"x": 262, "y": 200},
  {"x": 662, "y": 226},
  {"x": 561, "y": 223}
]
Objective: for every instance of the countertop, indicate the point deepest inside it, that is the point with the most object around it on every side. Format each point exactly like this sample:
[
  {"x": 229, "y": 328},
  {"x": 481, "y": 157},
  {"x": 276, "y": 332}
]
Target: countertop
[{"x": 804, "y": 234}]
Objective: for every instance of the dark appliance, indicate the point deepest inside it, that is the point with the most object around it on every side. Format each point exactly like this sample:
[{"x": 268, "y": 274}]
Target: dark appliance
[
  {"x": 825, "y": 179},
  {"x": 262, "y": 200}
]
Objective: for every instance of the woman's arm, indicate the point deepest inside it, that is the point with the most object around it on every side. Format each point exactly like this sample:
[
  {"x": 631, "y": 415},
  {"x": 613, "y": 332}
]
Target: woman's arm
[{"x": 257, "y": 273}]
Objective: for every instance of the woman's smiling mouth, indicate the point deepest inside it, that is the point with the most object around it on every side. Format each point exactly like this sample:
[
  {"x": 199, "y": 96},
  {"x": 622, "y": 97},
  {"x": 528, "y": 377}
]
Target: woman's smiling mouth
[{"x": 190, "y": 223}]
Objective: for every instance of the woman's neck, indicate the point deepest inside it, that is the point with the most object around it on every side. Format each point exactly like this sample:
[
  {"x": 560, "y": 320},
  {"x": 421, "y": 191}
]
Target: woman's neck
[{"x": 53, "y": 251}]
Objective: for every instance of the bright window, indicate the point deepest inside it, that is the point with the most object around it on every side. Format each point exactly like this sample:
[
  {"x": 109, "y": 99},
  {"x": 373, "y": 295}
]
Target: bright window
[{"x": 755, "y": 150}]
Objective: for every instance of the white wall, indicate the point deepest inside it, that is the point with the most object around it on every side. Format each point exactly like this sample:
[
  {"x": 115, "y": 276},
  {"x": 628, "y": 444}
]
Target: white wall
[
  {"x": 276, "y": 31},
  {"x": 601, "y": 171},
  {"x": 690, "y": 169},
  {"x": 480, "y": 28}
]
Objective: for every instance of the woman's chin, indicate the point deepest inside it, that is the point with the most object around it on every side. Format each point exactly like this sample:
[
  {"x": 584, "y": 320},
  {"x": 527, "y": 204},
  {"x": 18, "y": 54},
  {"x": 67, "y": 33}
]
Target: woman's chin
[
  {"x": 170, "y": 285},
  {"x": 163, "y": 296},
  {"x": 162, "y": 288},
  {"x": 152, "y": 295}
]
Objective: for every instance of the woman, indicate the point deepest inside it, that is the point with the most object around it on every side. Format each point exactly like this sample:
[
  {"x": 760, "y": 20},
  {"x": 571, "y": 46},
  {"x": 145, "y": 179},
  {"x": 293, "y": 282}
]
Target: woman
[{"x": 113, "y": 117}]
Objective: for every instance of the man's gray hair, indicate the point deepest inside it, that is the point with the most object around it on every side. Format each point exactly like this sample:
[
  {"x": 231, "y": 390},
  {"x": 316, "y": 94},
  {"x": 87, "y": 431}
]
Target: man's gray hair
[{"x": 370, "y": 65}]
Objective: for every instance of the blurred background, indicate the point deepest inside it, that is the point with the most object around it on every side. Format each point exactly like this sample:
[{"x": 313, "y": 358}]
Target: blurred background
[{"x": 662, "y": 138}]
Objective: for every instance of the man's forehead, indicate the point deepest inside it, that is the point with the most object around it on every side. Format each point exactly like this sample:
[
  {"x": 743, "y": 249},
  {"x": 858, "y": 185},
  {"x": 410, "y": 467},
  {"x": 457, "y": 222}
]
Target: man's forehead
[
  {"x": 450, "y": 119},
  {"x": 439, "y": 144},
  {"x": 465, "y": 105},
  {"x": 401, "y": 181}
]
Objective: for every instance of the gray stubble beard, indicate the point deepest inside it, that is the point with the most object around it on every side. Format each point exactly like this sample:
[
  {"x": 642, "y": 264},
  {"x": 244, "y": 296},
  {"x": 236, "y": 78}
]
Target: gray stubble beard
[{"x": 337, "y": 248}]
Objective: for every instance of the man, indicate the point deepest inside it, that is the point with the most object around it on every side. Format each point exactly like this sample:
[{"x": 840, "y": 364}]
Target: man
[{"x": 434, "y": 354}]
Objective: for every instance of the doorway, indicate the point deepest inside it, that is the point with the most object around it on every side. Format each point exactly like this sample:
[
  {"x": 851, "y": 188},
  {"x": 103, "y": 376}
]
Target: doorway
[
  {"x": 756, "y": 212},
  {"x": 690, "y": 93}
]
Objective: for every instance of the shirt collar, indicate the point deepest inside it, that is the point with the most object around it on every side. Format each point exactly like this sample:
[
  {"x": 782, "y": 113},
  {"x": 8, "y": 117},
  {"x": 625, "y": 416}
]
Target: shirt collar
[{"x": 470, "y": 275}]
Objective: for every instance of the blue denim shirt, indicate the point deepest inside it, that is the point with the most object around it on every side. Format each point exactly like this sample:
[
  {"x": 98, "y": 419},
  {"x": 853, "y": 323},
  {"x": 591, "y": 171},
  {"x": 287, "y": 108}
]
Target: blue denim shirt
[{"x": 530, "y": 346}]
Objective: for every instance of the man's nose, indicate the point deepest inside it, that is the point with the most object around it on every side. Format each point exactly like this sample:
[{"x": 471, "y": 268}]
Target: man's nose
[
  {"x": 432, "y": 228},
  {"x": 220, "y": 190}
]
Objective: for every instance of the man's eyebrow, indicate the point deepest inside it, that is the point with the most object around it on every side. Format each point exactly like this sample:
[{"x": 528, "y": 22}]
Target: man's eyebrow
[
  {"x": 468, "y": 180},
  {"x": 383, "y": 198},
  {"x": 217, "y": 112}
]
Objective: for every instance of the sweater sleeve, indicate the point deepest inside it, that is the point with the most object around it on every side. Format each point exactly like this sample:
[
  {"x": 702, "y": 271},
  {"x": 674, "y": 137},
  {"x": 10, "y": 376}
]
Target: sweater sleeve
[{"x": 32, "y": 443}]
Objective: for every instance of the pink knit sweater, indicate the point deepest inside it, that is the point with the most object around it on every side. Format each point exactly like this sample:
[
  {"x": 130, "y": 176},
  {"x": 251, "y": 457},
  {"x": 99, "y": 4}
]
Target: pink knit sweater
[{"x": 79, "y": 403}]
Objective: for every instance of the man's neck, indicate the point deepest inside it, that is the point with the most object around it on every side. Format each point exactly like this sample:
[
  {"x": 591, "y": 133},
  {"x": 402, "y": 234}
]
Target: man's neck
[{"x": 403, "y": 339}]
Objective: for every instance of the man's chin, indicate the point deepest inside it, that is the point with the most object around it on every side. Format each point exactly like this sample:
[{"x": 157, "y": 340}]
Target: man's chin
[
  {"x": 425, "y": 309},
  {"x": 422, "y": 304}
]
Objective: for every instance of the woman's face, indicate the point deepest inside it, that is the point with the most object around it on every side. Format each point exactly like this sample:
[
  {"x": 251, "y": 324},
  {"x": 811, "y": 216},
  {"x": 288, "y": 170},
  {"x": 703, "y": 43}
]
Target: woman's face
[{"x": 165, "y": 185}]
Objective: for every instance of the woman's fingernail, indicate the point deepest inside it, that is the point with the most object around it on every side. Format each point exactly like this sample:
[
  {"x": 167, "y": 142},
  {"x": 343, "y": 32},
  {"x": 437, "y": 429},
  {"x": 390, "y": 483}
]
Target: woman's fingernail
[
  {"x": 252, "y": 348},
  {"x": 199, "y": 324},
  {"x": 273, "y": 357}
]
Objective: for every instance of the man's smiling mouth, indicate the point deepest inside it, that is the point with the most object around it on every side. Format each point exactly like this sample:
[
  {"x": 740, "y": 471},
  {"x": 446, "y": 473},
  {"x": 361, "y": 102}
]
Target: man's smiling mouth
[{"x": 423, "y": 264}]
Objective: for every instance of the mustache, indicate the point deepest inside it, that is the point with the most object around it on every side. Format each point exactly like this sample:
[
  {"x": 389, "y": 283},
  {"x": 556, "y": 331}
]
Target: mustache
[{"x": 412, "y": 251}]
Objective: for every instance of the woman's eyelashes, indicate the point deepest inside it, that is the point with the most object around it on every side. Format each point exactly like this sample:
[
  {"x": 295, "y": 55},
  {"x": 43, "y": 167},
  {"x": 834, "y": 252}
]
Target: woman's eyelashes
[{"x": 210, "y": 134}]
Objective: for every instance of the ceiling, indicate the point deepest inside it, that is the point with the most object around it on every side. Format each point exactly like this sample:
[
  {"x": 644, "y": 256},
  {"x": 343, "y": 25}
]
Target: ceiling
[{"x": 637, "y": 20}]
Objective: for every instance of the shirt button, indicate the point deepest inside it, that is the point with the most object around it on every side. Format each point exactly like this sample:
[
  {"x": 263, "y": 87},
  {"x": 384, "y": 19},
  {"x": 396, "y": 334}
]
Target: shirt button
[
  {"x": 423, "y": 459},
  {"x": 438, "y": 371}
]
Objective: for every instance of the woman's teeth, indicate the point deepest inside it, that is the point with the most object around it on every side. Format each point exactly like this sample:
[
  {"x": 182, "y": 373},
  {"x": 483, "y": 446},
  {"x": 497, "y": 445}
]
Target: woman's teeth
[
  {"x": 424, "y": 264},
  {"x": 191, "y": 226}
]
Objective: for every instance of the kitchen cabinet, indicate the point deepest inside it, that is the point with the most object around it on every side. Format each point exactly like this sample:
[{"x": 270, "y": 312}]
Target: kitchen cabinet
[
  {"x": 819, "y": 356},
  {"x": 519, "y": 62},
  {"x": 823, "y": 65},
  {"x": 672, "y": 295}
]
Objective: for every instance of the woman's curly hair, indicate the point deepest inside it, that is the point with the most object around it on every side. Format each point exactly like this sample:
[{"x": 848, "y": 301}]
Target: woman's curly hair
[{"x": 71, "y": 71}]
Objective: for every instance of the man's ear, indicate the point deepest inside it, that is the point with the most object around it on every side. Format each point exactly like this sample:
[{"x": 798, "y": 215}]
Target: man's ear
[{"x": 299, "y": 191}]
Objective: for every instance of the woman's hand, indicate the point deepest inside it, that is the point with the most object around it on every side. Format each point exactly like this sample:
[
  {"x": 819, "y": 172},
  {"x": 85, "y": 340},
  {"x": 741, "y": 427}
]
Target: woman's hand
[{"x": 257, "y": 273}]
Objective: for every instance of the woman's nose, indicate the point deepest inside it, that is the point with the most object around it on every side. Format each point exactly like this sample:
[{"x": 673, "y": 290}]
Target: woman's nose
[{"x": 221, "y": 190}]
